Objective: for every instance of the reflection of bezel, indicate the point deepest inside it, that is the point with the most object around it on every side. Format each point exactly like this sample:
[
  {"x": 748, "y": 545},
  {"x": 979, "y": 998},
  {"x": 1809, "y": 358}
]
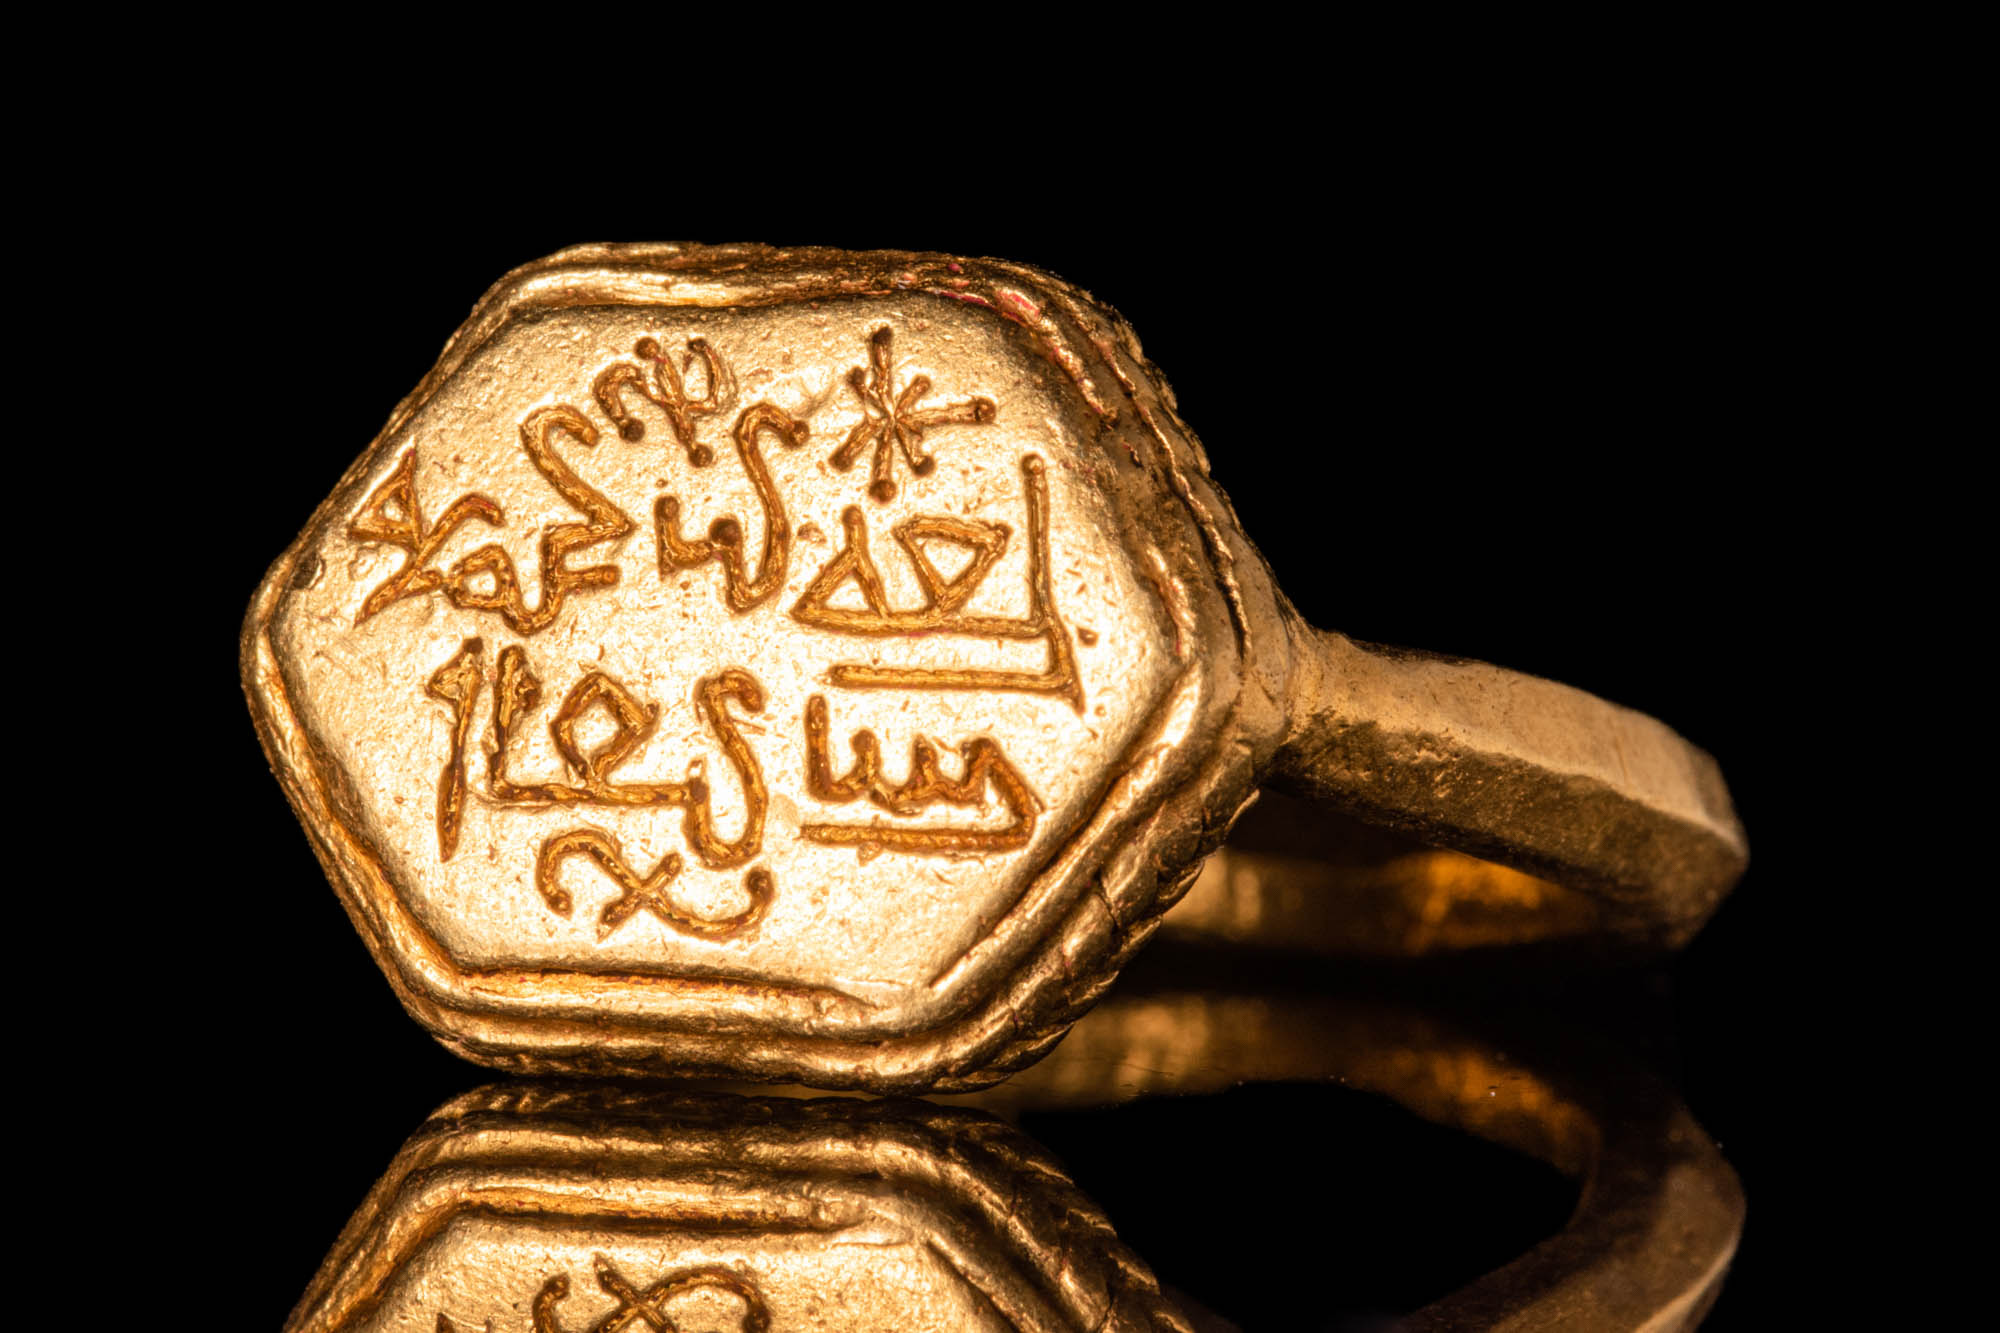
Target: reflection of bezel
[{"x": 1015, "y": 1229}]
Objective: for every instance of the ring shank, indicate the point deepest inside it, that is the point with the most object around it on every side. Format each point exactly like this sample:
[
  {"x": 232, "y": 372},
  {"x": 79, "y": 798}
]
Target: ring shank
[
  {"x": 1514, "y": 769},
  {"x": 1301, "y": 879}
]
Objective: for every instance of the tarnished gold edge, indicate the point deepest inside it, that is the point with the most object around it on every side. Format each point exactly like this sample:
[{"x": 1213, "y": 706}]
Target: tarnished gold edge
[
  {"x": 447, "y": 1170},
  {"x": 500, "y": 1043}
]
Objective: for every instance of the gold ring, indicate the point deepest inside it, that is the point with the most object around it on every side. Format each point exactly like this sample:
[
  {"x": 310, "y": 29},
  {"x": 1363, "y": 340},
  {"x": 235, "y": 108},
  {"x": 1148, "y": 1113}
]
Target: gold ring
[{"x": 829, "y": 667}]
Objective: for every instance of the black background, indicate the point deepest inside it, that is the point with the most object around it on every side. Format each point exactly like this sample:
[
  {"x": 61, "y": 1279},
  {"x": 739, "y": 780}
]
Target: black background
[{"x": 1467, "y": 393}]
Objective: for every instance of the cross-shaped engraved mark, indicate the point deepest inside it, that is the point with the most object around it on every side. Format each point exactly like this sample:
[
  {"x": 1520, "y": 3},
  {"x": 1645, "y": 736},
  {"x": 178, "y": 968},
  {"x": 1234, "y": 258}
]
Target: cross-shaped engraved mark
[
  {"x": 635, "y": 893},
  {"x": 894, "y": 419},
  {"x": 646, "y": 1309}
]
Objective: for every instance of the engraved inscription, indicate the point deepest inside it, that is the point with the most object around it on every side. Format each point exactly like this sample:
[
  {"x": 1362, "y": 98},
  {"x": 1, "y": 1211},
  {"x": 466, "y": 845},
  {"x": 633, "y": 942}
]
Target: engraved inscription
[
  {"x": 948, "y": 618},
  {"x": 942, "y": 596},
  {"x": 985, "y": 769},
  {"x": 456, "y": 684},
  {"x": 391, "y": 514},
  {"x": 486, "y": 580},
  {"x": 892, "y": 421},
  {"x": 590, "y": 772},
  {"x": 944, "y": 599},
  {"x": 590, "y": 780},
  {"x": 667, "y": 389},
  {"x": 646, "y": 1309},
  {"x": 636, "y": 893},
  {"x": 725, "y": 541}
]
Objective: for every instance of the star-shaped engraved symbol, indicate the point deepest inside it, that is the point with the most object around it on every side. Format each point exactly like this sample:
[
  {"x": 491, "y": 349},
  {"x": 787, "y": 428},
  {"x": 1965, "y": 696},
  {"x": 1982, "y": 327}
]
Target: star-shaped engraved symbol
[{"x": 890, "y": 418}]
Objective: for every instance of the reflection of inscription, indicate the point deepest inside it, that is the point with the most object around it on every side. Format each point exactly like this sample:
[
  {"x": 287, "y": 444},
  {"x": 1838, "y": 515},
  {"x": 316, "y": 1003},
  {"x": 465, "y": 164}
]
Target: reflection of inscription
[
  {"x": 646, "y": 1309},
  {"x": 518, "y": 691},
  {"x": 984, "y": 767},
  {"x": 635, "y": 893},
  {"x": 667, "y": 389},
  {"x": 944, "y": 600},
  {"x": 725, "y": 540},
  {"x": 391, "y": 515},
  {"x": 891, "y": 420}
]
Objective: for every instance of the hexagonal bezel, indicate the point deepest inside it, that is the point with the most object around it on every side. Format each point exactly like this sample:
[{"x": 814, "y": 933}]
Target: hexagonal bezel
[{"x": 1086, "y": 908}]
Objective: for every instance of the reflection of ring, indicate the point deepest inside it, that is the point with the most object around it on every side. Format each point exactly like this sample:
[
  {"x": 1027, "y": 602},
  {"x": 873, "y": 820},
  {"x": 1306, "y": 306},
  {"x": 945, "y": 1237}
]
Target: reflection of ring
[
  {"x": 580, "y": 1203},
  {"x": 1659, "y": 1212},
  {"x": 873, "y": 622}
]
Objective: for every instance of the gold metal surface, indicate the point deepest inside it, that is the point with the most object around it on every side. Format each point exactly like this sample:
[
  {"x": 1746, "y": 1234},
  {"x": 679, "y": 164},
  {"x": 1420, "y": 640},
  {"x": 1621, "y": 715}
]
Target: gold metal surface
[
  {"x": 825, "y": 666},
  {"x": 552, "y": 1208}
]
